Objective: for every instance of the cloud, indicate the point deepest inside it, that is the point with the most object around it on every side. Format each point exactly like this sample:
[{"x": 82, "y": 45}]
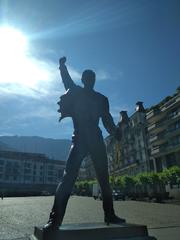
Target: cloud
[
  {"x": 41, "y": 112},
  {"x": 28, "y": 97},
  {"x": 75, "y": 74},
  {"x": 102, "y": 75},
  {"x": 6, "y": 134},
  {"x": 39, "y": 79}
]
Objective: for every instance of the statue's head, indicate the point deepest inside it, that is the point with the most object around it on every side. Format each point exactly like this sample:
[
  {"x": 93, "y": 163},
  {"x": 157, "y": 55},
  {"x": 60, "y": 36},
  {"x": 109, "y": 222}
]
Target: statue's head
[{"x": 88, "y": 79}]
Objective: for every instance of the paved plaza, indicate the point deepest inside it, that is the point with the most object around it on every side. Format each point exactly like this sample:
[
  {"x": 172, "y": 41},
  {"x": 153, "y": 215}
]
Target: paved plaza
[{"x": 18, "y": 216}]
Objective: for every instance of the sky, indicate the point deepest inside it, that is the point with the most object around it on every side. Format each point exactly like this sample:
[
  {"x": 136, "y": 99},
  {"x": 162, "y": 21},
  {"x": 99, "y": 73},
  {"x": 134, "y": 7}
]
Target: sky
[{"x": 133, "y": 46}]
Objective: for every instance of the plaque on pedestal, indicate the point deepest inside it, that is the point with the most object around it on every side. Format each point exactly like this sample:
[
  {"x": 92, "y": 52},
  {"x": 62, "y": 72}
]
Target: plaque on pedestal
[{"x": 95, "y": 231}]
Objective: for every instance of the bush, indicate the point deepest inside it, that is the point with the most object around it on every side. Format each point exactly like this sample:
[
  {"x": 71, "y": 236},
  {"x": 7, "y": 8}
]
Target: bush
[{"x": 150, "y": 185}]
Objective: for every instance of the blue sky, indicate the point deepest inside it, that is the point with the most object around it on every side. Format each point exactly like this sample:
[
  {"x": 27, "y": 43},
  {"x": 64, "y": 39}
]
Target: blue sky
[{"x": 133, "y": 46}]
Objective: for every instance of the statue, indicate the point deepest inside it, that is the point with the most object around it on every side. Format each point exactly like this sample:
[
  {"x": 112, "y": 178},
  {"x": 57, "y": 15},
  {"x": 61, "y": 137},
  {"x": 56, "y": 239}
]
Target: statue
[{"x": 85, "y": 106}]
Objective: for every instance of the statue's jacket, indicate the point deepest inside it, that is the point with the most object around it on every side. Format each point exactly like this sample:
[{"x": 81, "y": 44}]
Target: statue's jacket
[{"x": 85, "y": 107}]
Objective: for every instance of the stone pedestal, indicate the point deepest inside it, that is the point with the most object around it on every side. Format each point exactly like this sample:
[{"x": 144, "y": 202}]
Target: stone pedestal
[{"x": 95, "y": 231}]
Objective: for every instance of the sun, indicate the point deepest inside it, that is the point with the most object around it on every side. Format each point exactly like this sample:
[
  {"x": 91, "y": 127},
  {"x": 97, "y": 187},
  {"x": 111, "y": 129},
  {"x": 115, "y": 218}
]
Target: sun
[
  {"x": 18, "y": 65},
  {"x": 12, "y": 43},
  {"x": 13, "y": 47}
]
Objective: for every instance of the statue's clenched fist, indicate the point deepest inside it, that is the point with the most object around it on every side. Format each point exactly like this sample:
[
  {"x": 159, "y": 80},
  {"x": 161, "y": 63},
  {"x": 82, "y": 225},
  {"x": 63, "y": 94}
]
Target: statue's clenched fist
[{"x": 62, "y": 60}]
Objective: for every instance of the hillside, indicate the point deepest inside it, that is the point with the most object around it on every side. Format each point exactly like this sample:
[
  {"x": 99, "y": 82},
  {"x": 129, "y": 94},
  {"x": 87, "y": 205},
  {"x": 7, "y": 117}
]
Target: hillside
[{"x": 53, "y": 148}]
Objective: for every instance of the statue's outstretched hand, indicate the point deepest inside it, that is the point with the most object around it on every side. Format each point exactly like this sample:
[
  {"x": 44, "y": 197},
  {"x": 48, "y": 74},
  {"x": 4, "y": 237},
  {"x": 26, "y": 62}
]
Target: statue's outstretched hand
[{"x": 62, "y": 61}]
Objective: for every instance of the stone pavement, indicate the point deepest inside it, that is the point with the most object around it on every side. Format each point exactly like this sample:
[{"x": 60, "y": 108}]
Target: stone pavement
[{"x": 18, "y": 216}]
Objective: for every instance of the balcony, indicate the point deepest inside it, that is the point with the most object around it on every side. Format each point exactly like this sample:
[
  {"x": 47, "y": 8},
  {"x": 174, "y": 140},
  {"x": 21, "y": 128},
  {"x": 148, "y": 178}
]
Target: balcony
[
  {"x": 171, "y": 103},
  {"x": 166, "y": 149},
  {"x": 158, "y": 140},
  {"x": 152, "y": 139},
  {"x": 172, "y": 132},
  {"x": 157, "y": 127},
  {"x": 155, "y": 150},
  {"x": 174, "y": 115},
  {"x": 154, "y": 115}
]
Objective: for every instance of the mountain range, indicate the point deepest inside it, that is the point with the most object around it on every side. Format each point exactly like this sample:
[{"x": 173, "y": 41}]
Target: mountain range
[
  {"x": 5, "y": 147},
  {"x": 53, "y": 148}
]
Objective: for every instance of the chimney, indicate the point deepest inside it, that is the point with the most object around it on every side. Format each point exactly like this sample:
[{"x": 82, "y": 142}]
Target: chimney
[
  {"x": 140, "y": 107},
  {"x": 124, "y": 117}
]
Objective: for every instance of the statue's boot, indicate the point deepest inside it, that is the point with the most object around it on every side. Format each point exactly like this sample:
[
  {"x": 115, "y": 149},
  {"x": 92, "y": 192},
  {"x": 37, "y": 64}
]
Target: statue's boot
[
  {"x": 111, "y": 217},
  {"x": 53, "y": 223},
  {"x": 109, "y": 213}
]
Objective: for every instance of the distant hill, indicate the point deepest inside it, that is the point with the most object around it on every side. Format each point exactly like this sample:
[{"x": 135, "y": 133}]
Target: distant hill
[
  {"x": 53, "y": 148},
  {"x": 5, "y": 147}
]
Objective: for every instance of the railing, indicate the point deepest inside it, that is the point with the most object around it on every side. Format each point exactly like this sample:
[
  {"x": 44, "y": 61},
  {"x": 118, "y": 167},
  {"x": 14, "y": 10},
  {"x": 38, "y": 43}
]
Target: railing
[
  {"x": 152, "y": 139},
  {"x": 170, "y": 103},
  {"x": 155, "y": 150},
  {"x": 164, "y": 149},
  {"x": 152, "y": 113}
]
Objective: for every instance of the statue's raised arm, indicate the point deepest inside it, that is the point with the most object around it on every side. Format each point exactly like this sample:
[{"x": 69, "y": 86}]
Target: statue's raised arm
[{"x": 66, "y": 78}]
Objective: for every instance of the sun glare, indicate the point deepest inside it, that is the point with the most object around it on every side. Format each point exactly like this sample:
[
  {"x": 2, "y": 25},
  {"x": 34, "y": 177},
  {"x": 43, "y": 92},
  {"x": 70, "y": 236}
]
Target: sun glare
[
  {"x": 17, "y": 65},
  {"x": 12, "y": 43},
  {"x": 13, "y": 46}
]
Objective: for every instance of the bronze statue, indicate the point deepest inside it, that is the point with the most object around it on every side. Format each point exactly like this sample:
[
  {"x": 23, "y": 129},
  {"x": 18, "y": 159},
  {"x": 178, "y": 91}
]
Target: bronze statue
[{"x": 85, "y": 106}]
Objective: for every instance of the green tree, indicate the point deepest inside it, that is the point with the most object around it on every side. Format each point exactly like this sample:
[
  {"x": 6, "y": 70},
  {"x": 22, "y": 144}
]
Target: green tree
[
  {"x": 128, "y": 183},
  {"x": 143, "y": 180},
  {"x": 172, "y": 175}
]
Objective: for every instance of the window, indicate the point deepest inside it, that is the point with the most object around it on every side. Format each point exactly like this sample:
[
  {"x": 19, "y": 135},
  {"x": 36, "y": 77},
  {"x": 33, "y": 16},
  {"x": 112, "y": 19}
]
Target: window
[
  {"x": 170, "y": 160},
  {"x": 50, "y": 167},
  {"x": 1, "y": 162},
  {"x": 27, "y": 178},
  {"x": 27, "y": 171},
  {"x": 27, "y": 164},
  {"x": 177, "y": 125},
  {"x": 41, "y": 179},
  {"x": 175, "y": 141},
  {"x": 50, "y": 173},
  {"x": 50, "y": 179},
  {"x": 174, "y": 126},
  {"x": 174, "y": 113}
]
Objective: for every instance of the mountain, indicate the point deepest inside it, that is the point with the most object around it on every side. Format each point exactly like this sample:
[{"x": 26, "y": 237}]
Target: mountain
[
  {"x": 53, "y": 148},
  {"x": 5, "y": 147}
]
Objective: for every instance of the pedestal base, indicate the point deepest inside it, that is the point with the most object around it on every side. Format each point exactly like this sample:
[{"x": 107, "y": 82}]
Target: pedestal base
[{"x": 95, "y": 231}]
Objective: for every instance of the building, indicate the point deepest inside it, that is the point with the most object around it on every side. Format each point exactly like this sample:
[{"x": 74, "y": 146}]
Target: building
[
  {"x": 164, "y": 133},
  {"x": 130, "y": 154},
  {"x": 87, "y": 171},
  {"x": 28, "y": 169}
]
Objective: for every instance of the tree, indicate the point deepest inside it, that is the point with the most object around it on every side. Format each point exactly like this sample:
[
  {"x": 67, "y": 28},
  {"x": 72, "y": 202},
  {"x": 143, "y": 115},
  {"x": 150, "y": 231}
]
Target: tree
[
  {"x": 128, "y": 183},
  {"x": 143, "y": 181}
]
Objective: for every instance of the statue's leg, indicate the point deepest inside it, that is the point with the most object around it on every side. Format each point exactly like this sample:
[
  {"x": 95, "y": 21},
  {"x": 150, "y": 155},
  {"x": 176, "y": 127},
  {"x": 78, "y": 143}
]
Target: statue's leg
[
  {"x": 99, "y": 158},
  {"x": 63, "y": 191},
  {"x": 100, "y": 161}
]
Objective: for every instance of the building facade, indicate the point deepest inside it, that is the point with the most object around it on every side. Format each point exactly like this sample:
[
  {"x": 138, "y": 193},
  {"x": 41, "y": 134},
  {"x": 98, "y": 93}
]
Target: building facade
[
  {"x": 21, "y": 168},
  {"x": 150, "y": 140},
  {"x": 130, "y": 154},
  {"x": 164, "y": 133},
  {"x": 87, "y": 171}
]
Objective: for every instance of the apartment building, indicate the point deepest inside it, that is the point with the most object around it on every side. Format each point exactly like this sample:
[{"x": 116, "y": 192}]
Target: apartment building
[
  {"x": 87, "y": 171},
  {"x": 164, "y": 133},
  {"x": 29, "y": 168},
  {"x": 150, "y": 140},
  {"x": 130, "y": 155}
]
